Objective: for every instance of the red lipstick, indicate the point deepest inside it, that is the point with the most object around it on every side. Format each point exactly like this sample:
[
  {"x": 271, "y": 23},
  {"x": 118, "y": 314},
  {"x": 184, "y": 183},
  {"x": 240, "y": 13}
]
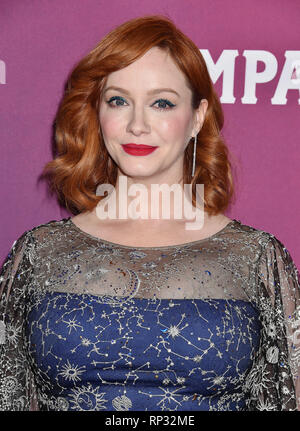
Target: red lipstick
[{"x": 138, "y": 150}]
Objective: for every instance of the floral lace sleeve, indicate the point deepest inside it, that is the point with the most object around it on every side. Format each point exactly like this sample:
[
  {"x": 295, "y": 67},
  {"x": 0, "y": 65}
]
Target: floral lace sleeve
[
  {"x": 275, "y": 379},
  {"x": 17, "y": 389}
]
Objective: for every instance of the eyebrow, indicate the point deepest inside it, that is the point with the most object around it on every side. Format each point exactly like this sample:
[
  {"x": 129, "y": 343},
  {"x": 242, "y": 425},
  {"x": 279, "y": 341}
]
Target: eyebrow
[{"x": 155, "y": 91}]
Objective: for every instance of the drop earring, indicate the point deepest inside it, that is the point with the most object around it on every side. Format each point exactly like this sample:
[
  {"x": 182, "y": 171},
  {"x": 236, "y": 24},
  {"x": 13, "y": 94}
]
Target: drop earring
[{"x": 194, "y": 155}]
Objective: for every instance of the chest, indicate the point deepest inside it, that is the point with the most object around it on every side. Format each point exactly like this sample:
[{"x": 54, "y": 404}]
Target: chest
[
  {"x": 146, "y": 346},
  {"x": 148, "y": 233}
]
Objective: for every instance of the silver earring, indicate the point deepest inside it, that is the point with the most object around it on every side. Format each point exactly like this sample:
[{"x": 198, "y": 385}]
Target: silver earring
[{"x": 194, "y": 155}]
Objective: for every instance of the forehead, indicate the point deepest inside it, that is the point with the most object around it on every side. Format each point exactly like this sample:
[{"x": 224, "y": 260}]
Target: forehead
[{"x": 155, "y": 68}]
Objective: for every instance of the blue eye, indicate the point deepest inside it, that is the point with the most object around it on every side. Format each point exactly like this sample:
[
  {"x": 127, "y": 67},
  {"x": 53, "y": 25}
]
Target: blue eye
[
  {"x": 119, "y": 101},
  {"x": 164, "y": 104}
]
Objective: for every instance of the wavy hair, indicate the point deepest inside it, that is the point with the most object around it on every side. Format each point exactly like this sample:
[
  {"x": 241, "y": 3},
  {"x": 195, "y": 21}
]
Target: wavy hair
[{"x": 81, "y": 161}]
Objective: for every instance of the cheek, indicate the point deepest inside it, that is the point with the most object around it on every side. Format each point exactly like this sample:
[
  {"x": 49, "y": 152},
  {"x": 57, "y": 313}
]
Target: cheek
[
  {"x": 110, "y": 124},
  {"x": 176, "y": 128}
]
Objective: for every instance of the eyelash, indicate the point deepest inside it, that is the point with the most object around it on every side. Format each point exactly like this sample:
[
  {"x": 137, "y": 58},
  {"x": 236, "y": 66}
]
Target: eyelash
[{"x": 170, "y": 104}]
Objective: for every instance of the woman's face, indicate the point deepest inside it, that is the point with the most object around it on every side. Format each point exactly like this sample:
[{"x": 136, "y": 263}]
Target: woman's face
[{"x": 149, "y": 103}]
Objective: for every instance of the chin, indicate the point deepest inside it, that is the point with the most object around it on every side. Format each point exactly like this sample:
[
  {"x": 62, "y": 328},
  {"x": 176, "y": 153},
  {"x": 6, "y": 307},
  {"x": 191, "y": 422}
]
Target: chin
[
  {"x": 135, "y": 174},
  {"x": 141, "y": 171}
]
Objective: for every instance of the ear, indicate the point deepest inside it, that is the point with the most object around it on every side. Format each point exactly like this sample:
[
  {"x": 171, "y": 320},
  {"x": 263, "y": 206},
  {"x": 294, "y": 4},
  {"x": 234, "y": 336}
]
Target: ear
[{"x": 200, "y": 116}]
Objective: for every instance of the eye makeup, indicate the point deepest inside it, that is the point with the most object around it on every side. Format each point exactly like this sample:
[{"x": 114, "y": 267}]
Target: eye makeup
[{"x": 164, "y": 104}]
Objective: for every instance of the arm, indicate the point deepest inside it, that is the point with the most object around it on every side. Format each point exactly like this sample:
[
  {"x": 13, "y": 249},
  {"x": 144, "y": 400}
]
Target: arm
[
  {"x": 276, "y": 376},
  {"x": 17, "y": 388}
]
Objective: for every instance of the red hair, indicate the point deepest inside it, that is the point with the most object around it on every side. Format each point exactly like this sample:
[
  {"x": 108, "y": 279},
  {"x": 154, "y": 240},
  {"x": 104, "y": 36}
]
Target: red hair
[{"x": 82, "y": 161}]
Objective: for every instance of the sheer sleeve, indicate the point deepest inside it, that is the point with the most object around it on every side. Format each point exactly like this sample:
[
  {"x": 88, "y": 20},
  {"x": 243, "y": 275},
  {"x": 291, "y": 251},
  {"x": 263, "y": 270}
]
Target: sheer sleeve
[
  {"x": 17, "y": 388},
  {"x": 275, "y": 380}
]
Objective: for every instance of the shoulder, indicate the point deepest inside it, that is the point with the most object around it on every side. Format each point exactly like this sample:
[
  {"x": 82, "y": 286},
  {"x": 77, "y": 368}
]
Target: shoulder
[
  {"x": 30, "y": 240},
  {"x": 254, "y": 233},
  {"x": 40, "y": 233},
  {"x": 39, "y": 241},
  {"x": 244, "y": 235},
  {"x": 270, "y": 246},
  {"x": 48, "y": 228},
  {"x": 272, "y": 261}
]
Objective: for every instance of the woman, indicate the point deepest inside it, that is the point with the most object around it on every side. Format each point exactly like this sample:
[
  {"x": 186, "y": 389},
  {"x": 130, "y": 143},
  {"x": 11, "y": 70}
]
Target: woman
[{"x": 145, "y": 314}]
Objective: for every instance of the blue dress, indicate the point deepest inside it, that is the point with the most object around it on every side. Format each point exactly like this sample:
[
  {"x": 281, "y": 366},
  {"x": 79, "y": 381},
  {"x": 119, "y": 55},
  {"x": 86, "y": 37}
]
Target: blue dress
[{"x": 88, "y": 324}]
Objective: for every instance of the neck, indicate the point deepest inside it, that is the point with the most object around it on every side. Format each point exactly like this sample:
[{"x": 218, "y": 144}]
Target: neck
[{"x": 141, "y": 199}]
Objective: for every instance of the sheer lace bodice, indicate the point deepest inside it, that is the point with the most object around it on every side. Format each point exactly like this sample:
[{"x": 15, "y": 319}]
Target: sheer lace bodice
[{"x": 87, "y": 324}]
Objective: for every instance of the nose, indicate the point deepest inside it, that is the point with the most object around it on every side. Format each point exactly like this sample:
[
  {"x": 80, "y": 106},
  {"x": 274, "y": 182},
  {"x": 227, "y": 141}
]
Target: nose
[{"x": 137, "y": 122}]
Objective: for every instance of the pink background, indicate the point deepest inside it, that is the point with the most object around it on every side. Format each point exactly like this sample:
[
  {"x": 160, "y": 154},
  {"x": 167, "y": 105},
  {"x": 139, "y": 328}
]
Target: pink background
[{"x": 40, "y": 42}]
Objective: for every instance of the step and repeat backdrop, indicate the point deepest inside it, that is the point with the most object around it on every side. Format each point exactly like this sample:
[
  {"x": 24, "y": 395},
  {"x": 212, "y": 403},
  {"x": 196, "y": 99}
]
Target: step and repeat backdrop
[{"x": 252, "y": 50}]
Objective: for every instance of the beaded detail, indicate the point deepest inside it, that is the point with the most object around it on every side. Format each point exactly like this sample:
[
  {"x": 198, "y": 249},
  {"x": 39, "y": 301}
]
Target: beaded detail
[{"x": 87, "y": 324}]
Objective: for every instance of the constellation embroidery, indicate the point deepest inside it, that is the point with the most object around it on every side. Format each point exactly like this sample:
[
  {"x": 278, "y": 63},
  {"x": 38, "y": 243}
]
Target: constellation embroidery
[{"x": 90, "y": 325}]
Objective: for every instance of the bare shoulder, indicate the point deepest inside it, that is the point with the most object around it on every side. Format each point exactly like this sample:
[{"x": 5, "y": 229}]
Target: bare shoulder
[
  {"x": 80, "y": 218},
  {"x": 84, "y": 220},
  {"x": 90, "y": 223},
  {"x": 215, "y": 223}
]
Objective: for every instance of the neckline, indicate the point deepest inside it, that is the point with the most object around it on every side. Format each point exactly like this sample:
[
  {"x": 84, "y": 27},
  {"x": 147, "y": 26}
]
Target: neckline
[{"x": 165, "y": 247}]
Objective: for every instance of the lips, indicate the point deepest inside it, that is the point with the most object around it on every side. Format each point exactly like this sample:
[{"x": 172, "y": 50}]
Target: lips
[
  {"x": 138, "y": 150},
  {"x": 137, "y": 146}
]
